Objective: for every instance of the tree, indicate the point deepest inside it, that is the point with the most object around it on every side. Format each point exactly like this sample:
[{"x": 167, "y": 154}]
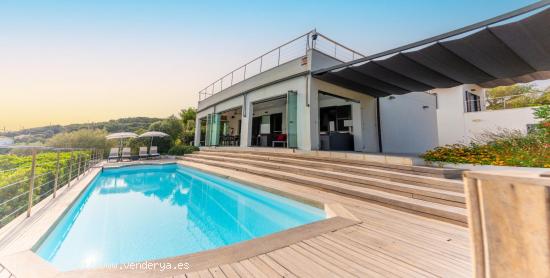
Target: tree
[
  {"x": 83, "y": 138},
  {"x": 171, "y": 126},
  {"x": 515, "y": 96},
  {"x": 188, "y": 117}
]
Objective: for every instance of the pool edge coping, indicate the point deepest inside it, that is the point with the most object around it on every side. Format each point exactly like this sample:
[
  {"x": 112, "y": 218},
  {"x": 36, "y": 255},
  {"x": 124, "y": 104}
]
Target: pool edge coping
[{"x": 338, "y": 217}]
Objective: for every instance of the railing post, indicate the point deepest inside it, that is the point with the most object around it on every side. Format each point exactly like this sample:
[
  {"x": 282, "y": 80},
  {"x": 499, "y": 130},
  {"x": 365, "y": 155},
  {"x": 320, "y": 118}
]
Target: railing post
[
  {"x": 56, "y": 175},
  {"x": 279, "y": 57},
  {"x": 31, "y": 182},
  {"x": 244, "y": 73},
  {"x": 261, "y": 62},
  {"x": 85, "y": 164},
  {"x": 78, "y": 166},
  {"x": 94, "y": 157},
  {"x": 70, "y": 170},
  {"x": 232, "y": 78}
]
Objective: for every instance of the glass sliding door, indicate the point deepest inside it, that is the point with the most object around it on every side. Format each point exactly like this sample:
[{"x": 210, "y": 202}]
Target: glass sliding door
[
  {"x": 215, "y": 130},
  {"x": 212, "y": 129},
  {"x": 292, "y": 115}
]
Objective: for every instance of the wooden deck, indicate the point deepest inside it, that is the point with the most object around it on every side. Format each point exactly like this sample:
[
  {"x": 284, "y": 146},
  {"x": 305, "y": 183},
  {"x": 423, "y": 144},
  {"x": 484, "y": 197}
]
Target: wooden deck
[{"x": 387, "y": 243}]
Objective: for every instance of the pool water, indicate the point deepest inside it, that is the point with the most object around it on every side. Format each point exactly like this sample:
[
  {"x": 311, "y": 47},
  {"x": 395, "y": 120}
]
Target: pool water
[{"x": 143, "y": 213}]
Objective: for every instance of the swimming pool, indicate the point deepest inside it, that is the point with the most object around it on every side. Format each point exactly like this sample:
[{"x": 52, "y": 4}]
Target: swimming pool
[{"x": 140, "y": 213}]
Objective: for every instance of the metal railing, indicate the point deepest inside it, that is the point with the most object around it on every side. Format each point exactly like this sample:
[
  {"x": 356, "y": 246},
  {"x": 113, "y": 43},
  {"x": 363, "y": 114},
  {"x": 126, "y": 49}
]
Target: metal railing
[
  {"x": 42, "y": 173},
  {"x": 289, "y": 51},
  {"x": 505, "y": 102}
]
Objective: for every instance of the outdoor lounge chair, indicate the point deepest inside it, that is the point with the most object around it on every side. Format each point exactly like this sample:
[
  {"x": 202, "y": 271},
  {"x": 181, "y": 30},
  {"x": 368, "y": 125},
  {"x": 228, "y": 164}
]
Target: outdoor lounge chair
[
  {"x": 143, "y": 152},
  {"x": 126, "y": 153},
  {"x": 153, "y": 152},
  {"x": 113, "y": 154}
]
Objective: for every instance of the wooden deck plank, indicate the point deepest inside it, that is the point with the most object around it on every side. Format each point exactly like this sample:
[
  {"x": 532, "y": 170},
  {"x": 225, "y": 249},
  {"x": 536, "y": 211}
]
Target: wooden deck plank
[
  {"x": 193, "y": 275},
  {"x": 382, "y": 268},
  {"x": 298, "y": 265},
  {"x": 205, "y": 274},
  {"x": 403, "y": 251},
  {"x": 229, "y": 271},
  {"x": 321, "y": 260},
  {"x": 281, "y": 270},
  {"x": 241, "y": 270},
  {"x": 217, "y": 272},
  {"x": 387, "y": 261},
  {"x": 450, "y": 251},
  {"x": 256, "y": 272},
  {"x": 341, "y": 259},
  {"x": 444, "y": 256},
  {"x": 263, "y": 267}
]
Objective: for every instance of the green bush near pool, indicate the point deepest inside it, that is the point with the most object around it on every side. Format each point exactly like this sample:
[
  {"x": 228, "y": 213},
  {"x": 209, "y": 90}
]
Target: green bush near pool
[{"x": 182, "y": 149}]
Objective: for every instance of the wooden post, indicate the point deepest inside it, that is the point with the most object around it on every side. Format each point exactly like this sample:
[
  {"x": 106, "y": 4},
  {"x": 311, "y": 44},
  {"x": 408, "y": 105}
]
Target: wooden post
[
  {"x": 31, "y": 182},
  {"x": 508, "y": 213},
  {"x": 70, "y": 170},
  {"x": 56, "y": 175}
]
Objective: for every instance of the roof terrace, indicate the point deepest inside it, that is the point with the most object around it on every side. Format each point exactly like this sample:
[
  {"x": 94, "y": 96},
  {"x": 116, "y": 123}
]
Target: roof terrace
[{"x": 284, "y": 53}]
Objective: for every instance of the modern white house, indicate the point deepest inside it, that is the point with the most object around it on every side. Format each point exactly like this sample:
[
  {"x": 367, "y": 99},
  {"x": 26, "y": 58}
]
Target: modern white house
[{"x": 313, "y": 93}]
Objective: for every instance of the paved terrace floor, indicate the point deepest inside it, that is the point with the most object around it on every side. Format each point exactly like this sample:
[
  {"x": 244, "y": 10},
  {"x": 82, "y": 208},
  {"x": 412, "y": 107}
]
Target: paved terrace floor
[{"x": 387, "y": 243}]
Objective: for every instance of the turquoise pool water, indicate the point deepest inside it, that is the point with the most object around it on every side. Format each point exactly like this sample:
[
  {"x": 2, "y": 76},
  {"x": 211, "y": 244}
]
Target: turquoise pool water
[{"x": 142, "y": 213}]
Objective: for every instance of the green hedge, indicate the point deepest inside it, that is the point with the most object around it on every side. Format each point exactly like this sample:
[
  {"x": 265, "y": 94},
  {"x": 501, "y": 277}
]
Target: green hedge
[{"x": 182, "y": 149}]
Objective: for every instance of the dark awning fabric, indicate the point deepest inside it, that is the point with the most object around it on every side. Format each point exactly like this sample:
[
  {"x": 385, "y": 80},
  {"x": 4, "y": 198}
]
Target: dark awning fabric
[{"x": 516, "y": 52}]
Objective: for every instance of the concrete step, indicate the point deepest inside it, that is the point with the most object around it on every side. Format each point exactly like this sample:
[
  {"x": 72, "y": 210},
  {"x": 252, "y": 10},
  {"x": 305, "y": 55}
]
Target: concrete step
[
  {"x": 344, "y": 159},
  {"x": 386, "y": 174},
  {"x": 404, "y": 189},
  {"x": 427, "y": 208}
]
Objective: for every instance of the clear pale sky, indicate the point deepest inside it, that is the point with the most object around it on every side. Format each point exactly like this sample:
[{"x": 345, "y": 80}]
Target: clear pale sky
[{"x": 83, "y": 61}]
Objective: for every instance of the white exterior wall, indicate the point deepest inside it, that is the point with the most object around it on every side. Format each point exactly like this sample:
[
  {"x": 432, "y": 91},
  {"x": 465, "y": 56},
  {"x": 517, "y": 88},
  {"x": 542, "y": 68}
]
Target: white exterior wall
[
  {"x": 450, "y": 115},
  {"x": 456, "y": 126},
  {"x": 477, "y": 123},
  {"x": 451, "y": 127},
  {"x": 408, "y": 123}
]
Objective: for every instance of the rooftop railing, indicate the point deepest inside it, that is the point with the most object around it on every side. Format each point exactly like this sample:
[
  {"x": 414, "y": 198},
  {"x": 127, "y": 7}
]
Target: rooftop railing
[
  {"x": 33, "y": 174},
  {"x": 289, "y": 51}
]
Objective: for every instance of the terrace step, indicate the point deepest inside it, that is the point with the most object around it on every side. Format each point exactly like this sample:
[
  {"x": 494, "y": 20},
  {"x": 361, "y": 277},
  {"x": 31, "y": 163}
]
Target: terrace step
[
  {"x": 426, "y": 208},
  {"x": 410, "y": 169},
  {"x": 404, "y": 189},
  {"x": 379, "y": 173}
]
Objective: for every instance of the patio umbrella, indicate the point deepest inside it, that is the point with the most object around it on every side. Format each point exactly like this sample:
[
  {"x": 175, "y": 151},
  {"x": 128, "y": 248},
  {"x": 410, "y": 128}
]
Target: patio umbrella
[
  {"x": 153, "y": 134},
  {"x": 121, "y": 135}
]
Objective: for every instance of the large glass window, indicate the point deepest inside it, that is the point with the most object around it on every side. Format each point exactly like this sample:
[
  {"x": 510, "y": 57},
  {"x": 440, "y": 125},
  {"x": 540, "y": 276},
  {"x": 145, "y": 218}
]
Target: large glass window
[{"x": 335, "y": 118}]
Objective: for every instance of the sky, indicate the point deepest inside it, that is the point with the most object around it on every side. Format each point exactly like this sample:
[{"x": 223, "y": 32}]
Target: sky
[{"x": 67, "y": 62}]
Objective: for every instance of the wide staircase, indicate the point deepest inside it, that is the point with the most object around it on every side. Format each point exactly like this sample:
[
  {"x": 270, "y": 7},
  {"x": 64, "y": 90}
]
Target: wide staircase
[{"x": 428, "y": 191}]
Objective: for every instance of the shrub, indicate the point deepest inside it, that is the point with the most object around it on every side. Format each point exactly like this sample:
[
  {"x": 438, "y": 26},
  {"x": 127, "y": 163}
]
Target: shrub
[
  {"x": 182, "y": 149},
  {"x": 505, "y": 149}
]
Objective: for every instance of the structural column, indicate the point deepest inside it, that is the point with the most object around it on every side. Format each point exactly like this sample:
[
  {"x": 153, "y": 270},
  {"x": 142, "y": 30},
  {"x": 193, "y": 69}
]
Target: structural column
[
  {"x": 246, "y": 122},
  {"x": 197, "y": 140}
]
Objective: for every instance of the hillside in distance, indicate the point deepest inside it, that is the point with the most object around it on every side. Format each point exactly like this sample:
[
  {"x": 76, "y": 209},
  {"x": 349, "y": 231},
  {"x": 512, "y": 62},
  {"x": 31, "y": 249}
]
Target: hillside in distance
[{"x": 40, "y": 134}]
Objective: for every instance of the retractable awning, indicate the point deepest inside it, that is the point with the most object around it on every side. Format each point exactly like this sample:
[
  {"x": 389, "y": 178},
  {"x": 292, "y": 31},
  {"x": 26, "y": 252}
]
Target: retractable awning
[{"x": 516, "y": 52}]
